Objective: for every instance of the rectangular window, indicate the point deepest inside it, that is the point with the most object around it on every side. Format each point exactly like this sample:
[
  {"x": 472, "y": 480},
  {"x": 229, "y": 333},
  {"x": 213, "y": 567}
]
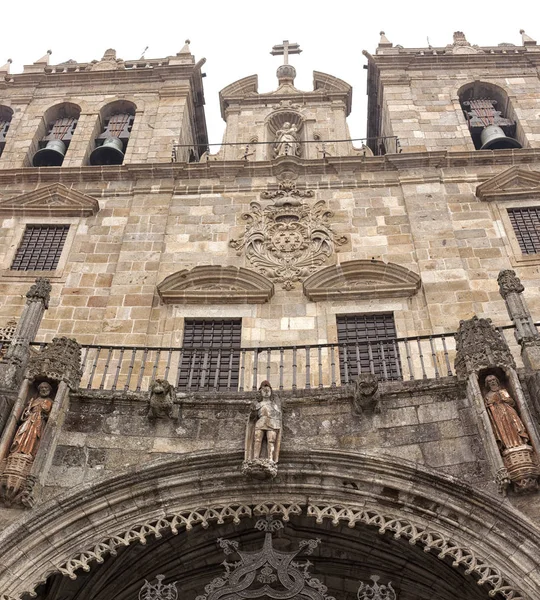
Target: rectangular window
[
  {"x": 40, "y": 248},
  {"x": 367, "y": 345},
  {"x": 526, "y": 224},
  {"x": 211, "y": 354}
]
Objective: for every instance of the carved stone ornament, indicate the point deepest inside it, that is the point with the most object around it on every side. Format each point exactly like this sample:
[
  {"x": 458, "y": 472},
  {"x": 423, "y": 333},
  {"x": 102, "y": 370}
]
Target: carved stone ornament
[
  {"x": 509, "y": 283},
  {"x": 161, "y": 402},
  {"x": 158, "y": 590},
  {"x": 59, "y": 361},
  {"x": 266, "y": 573},
  {"x": 365, "y": 394},
  {"x": 376, "y": 591},
  {"x": 479, "y": 346},
  {"x": 40, "y": 290},
  {"x": 287, "y": 194},
  {"x": 287, "y": 240},
  {"x": 462, "y": 46}
]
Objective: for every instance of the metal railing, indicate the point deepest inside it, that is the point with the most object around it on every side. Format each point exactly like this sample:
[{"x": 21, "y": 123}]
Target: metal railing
[
  {"x": 311, "y": 366},
  {"x": 373, "y": 146}
]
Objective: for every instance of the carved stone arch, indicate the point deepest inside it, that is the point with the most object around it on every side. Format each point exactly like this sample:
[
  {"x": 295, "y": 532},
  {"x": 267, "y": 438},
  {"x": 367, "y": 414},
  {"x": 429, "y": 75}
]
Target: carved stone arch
[
  {"x": 214, "y": 284},
  {"x": 359, "y": 279},
  {"x": 481, "y": 534}
]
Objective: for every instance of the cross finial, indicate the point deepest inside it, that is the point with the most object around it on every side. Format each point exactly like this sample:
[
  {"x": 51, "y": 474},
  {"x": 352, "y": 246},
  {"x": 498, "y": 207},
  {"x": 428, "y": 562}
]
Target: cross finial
[{"x": 285, "y": 49}]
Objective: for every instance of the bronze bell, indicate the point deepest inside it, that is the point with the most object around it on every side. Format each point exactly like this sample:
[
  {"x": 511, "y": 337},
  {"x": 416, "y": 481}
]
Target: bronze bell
[
  {"x": 494, "y": 138},
  {"x": 109, "y": 153},
  {"x": 50, "y": 156}
]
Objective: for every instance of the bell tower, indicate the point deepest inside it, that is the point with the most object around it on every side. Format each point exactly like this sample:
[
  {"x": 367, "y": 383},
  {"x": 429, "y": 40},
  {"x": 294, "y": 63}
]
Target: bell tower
[{"x": 460, "y": 97}]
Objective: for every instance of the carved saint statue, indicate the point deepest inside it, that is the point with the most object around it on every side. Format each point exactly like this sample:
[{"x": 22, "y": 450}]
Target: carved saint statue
[
  {"x": 263, "y": 433},
  {"x": 26, "y": 440},
  {"x": 287, "y": 143},
  {"x": 509, "y": 429}
]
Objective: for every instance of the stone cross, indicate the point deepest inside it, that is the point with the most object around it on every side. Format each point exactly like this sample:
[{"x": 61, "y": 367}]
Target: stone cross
[{"x": 285, "y": 49}]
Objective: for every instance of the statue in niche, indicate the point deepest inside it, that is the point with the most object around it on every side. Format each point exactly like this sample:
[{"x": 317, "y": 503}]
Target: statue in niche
[
  {"x": 28, "y": 435},
  {"x": 263, "y": 434},
  {"x": 519, "y": 458},
  {"x": 16, "y": 483},
  {"x": 287, "y": 143},
  {"x": 507, "y": 426}
]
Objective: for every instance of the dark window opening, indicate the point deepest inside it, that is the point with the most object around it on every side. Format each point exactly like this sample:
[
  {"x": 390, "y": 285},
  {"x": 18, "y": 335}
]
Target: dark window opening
[
  {"x": 211, "y": 355},
  {"x": 526, "y": 224},
  {"x": 40, "y": 248},
  {"x": 367, "y": 345}
]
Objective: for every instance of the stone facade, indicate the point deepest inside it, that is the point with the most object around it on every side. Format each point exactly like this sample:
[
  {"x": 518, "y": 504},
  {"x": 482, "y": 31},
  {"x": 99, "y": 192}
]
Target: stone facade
[{"x": 288, "y": 228}]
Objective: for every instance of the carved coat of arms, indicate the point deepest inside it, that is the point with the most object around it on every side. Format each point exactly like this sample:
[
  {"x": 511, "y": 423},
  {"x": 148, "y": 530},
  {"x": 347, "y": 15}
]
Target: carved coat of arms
[{"x": 289, "y": 239}]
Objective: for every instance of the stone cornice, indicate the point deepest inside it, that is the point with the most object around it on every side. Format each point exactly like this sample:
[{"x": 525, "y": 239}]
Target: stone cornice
[{"x": 226, "y": 172}]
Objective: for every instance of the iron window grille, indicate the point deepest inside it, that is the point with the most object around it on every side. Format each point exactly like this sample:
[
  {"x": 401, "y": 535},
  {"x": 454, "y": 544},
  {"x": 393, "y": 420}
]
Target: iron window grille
[
  {"x": 526, "y": 224},
  {"x": 40, "y": 248},
  {"x": 211, "y": 354},
  {"x": 367, "y": 344}
]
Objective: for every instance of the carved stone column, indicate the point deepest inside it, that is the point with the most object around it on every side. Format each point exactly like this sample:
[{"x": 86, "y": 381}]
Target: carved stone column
[
  {"x": 511, "y": 289},
  {"x": 37, "y": 302},
  {"x": 481, "y": 351},
  {"x": 29, "y": 441}
]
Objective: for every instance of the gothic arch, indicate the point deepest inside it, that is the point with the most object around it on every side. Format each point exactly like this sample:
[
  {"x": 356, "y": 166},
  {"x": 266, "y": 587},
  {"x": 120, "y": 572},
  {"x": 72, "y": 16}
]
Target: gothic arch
[
  {"x": 482, "y": 534},
  {"x": 358, "y": 279}
]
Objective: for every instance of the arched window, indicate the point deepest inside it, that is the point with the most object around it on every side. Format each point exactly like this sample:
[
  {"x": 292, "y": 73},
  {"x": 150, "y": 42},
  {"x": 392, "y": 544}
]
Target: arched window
[
  {"x": 116, "y": 123},
  {"x": 56, "y": 132},
  {"x": 6, "y": 114},
  {"x": 490, "y": 117}
]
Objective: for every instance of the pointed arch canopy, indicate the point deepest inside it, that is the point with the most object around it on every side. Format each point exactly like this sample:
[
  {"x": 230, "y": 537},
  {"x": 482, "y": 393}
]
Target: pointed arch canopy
[
  {"x": 213, "y": 284},
  {"x": 358, "y": 279},
  {"x": 483, "y": 535}
]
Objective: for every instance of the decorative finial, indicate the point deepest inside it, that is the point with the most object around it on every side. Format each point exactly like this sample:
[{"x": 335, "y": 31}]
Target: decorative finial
[
  {"x": 185, "y": 49},
  {"x": 286, "y": 72},
  {"x": 44, "y": 60},
  {"x": 5, "y": 69},
  {"x": 384, "y": 42},
  {"x": 526, "y": 40}
]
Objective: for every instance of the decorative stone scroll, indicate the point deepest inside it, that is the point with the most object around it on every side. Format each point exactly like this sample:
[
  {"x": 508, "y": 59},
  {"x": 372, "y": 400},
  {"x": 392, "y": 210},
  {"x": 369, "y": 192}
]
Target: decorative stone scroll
[
  {"x": 376, "y": 591},
  {"x": 266, "y": 573},
  {"x": 288, "y": 240},
  {"x": 158, "y": 590},
  {"x": 208, "y": 284}
]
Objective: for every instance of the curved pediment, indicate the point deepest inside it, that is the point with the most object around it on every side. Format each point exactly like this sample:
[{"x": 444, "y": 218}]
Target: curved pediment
[
  {"x": 55, "y": 200},
  {"x": 515, "y": 183},
  {"x": 334, "y": 85},
  {"x": 358, "y": 279},
  {"x": 239, "y": 89},
  {"x": 213, "y": 284}
]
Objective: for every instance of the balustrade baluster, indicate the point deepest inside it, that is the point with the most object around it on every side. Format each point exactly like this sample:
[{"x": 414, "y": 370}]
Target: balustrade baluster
[
  {"x": 281, "y": 360},
  {"x": 218, "y": 368},
  {"x": 118, "y": 367},
  {"x": 371, "y": 361},
  {"x": 107, "y": 361},
  {"x": 229, "y": 371},
  {"x": 424, "y": 374},
  {"x": 94, "y": 365},
  {"x": 346, "y": 363},
  {"x": 255, "y": 368},
  {"x": 156, "y": 364},
  {"x": 383, "y": 358},
  {"x": 434, "y": 357},
  {"x": 168, "y": 365},
  {"x": 333, "y": 365},
  {"x": 446, "y": 357},
  {"x": 141, "y": 372},
  {"x": 130, "y": 368},
  {"x": 319, "y": 349},
  {"x": 242, "y": 370},
  {"x": 308, "y": 367},
  {"x": 268, "y": 357},
  {"x": 409, "y": 360},
  {"x": 294, "y": 368}
]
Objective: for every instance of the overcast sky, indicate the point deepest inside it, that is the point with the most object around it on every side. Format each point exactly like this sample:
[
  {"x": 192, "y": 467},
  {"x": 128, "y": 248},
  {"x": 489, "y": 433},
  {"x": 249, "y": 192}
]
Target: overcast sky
[{"x": 236, "y": 36}]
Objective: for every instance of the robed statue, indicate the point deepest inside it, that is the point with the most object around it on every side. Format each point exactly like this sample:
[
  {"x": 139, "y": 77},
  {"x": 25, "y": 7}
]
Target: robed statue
[
  {"x": 263, "y": 431},
  {"x": 34, "y": 417},
  {"x": 287, "y": 143},
  {"x": 507, "y": 426}
]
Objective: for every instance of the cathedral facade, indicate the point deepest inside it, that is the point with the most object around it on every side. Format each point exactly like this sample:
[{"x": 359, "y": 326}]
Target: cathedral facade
[{"x": 299, "y": 366}]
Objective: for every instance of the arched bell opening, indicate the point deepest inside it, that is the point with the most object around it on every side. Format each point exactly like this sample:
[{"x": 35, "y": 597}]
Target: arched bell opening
[
  {"x": 6, "y": 114},
  {"x": 490, "y": 117},
  {"x": 55, "y": 134},
  {"x": 114, "y": 126},
  {"x": 341, "y": 558}
]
